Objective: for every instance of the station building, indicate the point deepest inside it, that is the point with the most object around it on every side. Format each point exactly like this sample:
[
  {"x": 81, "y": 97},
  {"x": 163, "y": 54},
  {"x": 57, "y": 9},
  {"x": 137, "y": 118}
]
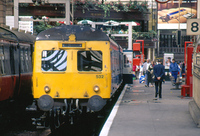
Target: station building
[{"x": 159, "y": 34}]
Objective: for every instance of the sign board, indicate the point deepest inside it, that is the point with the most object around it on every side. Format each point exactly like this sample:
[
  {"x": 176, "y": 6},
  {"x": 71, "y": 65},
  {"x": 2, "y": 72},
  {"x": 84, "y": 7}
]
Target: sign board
[
  {"x": 193, "y": 27},
  {"x": 23, "y": 25},
  {"x": 26, "y": 25},
  {"x": 169, "y": 14}
]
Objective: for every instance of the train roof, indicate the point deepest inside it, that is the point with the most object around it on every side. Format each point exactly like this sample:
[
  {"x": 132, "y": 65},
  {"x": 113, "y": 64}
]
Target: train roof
[
  {"x": 82, "y": 33},
  {"x": 16, "y": 36}
]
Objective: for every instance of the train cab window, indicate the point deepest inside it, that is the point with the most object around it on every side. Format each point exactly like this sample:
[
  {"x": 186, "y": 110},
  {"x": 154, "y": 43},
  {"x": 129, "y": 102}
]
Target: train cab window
[
  {"x": 54, "y": 60},
  {"x": 2, "y": 61},
  {"x": 89, "y": 61}
]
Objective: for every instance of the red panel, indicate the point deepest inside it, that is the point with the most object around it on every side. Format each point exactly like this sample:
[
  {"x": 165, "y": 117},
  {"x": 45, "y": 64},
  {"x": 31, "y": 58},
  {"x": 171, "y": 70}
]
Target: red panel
[
  {"x": 136, "y": 61},
  {"x": 6, "y": 87},
  {"x": 186, "y": 44},
  {"x": 141, "y": 41},
  {"x": 25, "y": 85},
  {"x": 189, "y": 64},
  {"x": 198, "y": 49},
  {"x": 136, "y": 46}
]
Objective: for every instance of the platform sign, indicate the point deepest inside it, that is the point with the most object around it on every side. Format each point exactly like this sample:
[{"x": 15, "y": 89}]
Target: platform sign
[
  {"x": 26, "y": 25},
  {"x": 193, "y": 27}
]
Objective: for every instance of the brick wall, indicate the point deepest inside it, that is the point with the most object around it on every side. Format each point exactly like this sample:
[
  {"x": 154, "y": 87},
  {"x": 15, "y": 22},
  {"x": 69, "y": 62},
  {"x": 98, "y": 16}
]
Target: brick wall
[{"x": 2, "y": 11}]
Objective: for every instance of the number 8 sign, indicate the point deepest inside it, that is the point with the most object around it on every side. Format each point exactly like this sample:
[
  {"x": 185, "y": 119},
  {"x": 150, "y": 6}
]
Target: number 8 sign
[{"x": 193, "y": 27}]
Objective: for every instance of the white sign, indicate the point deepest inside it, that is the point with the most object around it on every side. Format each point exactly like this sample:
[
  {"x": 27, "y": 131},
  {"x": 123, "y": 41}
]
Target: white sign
[
  {"x": 193, "y": 27},
  {"x": 26, "y": 25}
]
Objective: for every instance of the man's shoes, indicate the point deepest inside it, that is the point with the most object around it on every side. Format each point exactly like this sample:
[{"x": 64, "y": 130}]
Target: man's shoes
[{"x": 146, "y": 86}]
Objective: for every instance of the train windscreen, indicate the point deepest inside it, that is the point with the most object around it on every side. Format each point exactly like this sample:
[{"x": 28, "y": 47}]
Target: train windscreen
[
  {"x": 54, "y": 60},
  {"x": 89, "y": 60}
]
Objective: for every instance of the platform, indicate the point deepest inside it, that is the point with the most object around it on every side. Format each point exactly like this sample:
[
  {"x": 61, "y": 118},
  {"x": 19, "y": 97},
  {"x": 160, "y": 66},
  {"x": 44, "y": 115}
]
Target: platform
[{"x": 137, "y": 113}]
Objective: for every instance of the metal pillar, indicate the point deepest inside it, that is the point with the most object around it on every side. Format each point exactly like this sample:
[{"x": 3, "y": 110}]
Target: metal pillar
[
  {"x": 149, "y": 53},
  {"x": 16, "y": 13},
  {"x": 67, "y": 12},
  {"x": 130, "y": 47}
]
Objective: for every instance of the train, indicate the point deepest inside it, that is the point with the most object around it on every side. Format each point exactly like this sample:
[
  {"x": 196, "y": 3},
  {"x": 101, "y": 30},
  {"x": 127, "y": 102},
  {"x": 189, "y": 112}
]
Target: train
[
  {"x": 15, "y": 71},
  {"x": 76, "y": 69}
]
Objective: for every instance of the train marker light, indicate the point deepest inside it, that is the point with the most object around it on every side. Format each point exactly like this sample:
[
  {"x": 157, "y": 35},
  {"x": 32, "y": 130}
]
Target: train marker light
[
  {"x": 47, "y": 89},
  {"x": 96, "y": 89}
]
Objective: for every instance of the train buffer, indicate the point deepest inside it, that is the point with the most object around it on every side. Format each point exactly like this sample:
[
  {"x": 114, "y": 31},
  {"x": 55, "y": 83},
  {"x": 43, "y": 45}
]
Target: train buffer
[{"x": 138, "y": 113}]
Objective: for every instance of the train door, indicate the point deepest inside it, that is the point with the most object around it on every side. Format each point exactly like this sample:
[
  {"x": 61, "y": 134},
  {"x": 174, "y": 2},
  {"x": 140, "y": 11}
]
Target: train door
[
  {"x": 6, "y": 77},
  {"x": 14, "y": 63},
  {"x": 3, "y": 93},
  {"x": 21, "y": 67}
]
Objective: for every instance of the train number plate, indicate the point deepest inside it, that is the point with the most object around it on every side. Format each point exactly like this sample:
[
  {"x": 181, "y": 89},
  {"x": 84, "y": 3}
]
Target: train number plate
[{"x": 99, "y": 76}]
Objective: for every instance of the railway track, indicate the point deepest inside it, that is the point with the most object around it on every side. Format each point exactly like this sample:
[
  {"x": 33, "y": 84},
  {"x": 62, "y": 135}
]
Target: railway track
[{"x": 89, "y": 124}]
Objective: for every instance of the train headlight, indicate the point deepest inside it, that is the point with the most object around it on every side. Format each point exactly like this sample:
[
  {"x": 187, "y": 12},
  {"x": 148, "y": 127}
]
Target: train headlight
[
  {"x": 47, "y": 89},
  {"x": 96, "y": 89}
]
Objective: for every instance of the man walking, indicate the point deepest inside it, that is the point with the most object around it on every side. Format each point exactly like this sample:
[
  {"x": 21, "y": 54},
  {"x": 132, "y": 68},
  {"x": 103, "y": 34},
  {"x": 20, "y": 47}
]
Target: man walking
[
  {"x": 159, "y": 72},
  {"x": 174, "y": 69},
  {"x": 146, "y": 72}
]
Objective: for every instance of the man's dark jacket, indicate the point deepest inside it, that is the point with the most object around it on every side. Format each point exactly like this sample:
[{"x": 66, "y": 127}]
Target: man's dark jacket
[{"x": 159, "y": 71}]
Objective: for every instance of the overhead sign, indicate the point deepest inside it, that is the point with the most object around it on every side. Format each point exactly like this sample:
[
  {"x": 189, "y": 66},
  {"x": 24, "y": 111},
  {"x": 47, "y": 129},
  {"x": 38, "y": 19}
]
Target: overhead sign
[
  {"x": 162, "y": 1},
  {"x": 193, "y": 27}
]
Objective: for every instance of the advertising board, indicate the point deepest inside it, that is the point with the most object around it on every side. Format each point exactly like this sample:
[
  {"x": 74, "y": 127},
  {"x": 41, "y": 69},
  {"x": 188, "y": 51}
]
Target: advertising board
[{"x": 170, "y": 17}]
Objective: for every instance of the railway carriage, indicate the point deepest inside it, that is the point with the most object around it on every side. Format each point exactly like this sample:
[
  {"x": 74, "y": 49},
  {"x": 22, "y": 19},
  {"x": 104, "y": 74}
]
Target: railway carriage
[
  {"x": 15, "y": 64},
  {"x": 76, "y": 69},
  {"x": 15, "y": 71}
]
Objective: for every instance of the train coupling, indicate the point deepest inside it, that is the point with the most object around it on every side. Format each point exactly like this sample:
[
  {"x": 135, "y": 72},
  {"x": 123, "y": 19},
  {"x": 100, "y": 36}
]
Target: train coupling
[
  {"x": 39, "y": 122},
  {"x": 32, "y": 107}
]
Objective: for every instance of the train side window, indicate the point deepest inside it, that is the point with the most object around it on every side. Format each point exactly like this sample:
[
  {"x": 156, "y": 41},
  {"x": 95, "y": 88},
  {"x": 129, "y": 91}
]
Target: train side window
[
  {"x": 12, "y": 60},
  {"x": 22, "y": 60},
  {"x": 89, "y": 61},
  {"x": 54, "y": 60},
  {"x": 26, "y": 59},
  {"x": 2, "y": 61}
]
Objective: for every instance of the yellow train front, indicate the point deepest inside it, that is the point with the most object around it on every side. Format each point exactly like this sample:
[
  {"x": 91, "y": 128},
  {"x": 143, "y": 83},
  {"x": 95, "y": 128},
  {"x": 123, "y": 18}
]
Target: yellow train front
[{"x": 75, "y": 68}]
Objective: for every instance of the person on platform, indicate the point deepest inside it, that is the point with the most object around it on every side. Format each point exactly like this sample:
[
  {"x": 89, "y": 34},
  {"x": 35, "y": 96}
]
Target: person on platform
[
  {"x": 121, "y": 31},
  {"x": 183, "y": 70},
  {"x": 151, "y": 75},
  {"x": 159, "y": 72},
  {"x": 174, "y": 69},
  {"x": 146, "y": 72},
  {"x": 168, "y": 62}
]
